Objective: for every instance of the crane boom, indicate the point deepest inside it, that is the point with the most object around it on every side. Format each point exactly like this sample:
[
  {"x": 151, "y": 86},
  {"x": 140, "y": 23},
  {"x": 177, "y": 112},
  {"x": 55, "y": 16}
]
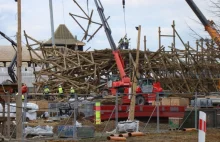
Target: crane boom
[
  {"x": 208, "y": 26},
  {"x": 11, "y": 72},
  {"x": 120, "y": 64}
]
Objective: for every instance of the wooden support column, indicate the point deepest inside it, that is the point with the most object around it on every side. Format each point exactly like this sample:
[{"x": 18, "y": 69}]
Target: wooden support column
[
  {"x": 134, "y": 83},
  {"x": 145, "y": 52},
  {"x": 159, "y": 32},
  {"x": 19, "y": 64}
]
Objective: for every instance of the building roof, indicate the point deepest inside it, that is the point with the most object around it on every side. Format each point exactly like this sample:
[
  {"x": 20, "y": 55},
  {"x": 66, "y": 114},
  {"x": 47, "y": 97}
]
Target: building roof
[
  {"x": 62, "y": 35},
  {"x": 7, "y": 53}
]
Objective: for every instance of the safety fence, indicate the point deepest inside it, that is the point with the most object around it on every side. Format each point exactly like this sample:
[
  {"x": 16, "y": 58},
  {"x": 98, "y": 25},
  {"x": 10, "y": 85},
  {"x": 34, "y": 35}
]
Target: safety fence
[{"x": 168, "y": 112}]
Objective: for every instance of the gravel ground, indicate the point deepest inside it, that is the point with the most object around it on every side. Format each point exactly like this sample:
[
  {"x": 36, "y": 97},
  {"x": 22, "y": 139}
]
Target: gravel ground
[{"x": 213, "y": 135}]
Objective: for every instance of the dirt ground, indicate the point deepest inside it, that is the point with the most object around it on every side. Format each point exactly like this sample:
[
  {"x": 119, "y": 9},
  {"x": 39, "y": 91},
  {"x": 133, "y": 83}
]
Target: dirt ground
[{"x": 213, "y": 135}]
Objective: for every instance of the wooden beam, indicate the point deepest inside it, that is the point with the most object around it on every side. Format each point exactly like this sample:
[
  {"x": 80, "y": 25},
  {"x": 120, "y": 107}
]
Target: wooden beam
[
  {"x": 134, "y": 83},
  {"x": 19, "y": 130}
]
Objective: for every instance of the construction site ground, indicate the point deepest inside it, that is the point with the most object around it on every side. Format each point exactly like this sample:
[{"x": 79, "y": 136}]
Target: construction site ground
[
  {"x": 164, "y": 135},
  {"x": 212, "y": 135}
]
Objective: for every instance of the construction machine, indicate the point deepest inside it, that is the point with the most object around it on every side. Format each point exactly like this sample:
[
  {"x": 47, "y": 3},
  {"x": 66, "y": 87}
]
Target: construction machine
[
  {"x": 147, "y": 89},
  {"x": 11, "y": 85},
  {"x": 209, "y": 25},
  {"x": 11, "y": 72}
]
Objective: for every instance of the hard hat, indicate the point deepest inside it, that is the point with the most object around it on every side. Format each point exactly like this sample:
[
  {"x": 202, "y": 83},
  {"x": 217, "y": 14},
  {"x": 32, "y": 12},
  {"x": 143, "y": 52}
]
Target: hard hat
[
  {"x": 59, "y": 85},
  {"x": 71, "y": 87}
]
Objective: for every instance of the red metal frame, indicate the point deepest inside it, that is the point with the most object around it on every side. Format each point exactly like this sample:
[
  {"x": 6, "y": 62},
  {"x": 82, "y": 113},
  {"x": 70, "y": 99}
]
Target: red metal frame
[{"x": 142, "y": 111}]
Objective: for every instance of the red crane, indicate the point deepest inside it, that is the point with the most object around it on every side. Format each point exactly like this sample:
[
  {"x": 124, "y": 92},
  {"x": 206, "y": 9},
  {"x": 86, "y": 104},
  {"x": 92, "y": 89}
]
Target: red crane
[
  {"x": 147, "y": 89},
  {"x": 124, "y": 79}
]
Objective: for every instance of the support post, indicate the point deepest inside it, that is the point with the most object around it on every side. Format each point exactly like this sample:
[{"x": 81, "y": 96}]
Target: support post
[
  {"x": 145, "y": 52},
  {"x": 19, "y": 64},
  {"x": 8, "y": 115},
  {"x": 196, "y": 109},
  {"x": 116, "y": 112},
  {"x": 158, "y": 113},
  {"x": 159, "y": 32},
  {"x": 75, "y": 117},
  {"x": 174, "y": 35},
  {"x": 24, "y": 115},
  {"x": 145, "y": 44},
  {"x": 134, "y": 83}
]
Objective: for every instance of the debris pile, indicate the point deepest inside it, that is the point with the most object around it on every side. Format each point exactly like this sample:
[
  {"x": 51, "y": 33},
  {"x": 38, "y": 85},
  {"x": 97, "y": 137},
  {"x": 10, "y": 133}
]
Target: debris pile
[{"x": 177, "y": 70}]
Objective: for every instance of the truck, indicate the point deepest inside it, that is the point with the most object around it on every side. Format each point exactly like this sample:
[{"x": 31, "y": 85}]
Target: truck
[{"x": 147, "y": 88}]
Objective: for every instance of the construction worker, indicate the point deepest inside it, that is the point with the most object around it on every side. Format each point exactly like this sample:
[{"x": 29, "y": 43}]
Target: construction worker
[
  {"x": 22, "y": 96},
  {"x": 46, "y": 92},
  {"x": 72, "y": 92},
  {"x": 23, "y": 90},
  {"x": 126, "y": 43},
  {"x": 60, "y": 90},
  {"x": 121, "y": 43}
]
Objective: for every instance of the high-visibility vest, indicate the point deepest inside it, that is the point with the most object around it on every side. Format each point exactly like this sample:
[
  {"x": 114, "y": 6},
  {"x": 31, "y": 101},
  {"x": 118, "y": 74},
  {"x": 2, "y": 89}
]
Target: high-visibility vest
[
  {"x": 46, "y": 90},
  {"x": 72, "y": 91},
  {"x": 126, "y": 41},
  {"x": 22, "y": 96},
  {"x": 60, "y": 89}
]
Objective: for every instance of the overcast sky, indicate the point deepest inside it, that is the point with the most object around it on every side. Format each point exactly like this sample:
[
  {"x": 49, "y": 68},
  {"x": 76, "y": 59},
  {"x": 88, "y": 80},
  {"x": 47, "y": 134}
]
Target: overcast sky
[{"x": 150, "y": 14}]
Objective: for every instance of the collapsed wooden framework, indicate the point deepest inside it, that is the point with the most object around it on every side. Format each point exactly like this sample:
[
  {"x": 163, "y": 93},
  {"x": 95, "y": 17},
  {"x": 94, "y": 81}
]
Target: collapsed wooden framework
[
  {"x": 186, "y": 70},
  {"x": 179, "y": 70}
]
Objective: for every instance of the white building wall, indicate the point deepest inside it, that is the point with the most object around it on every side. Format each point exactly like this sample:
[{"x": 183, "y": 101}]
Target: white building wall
[{"x": 27, "y": 75}]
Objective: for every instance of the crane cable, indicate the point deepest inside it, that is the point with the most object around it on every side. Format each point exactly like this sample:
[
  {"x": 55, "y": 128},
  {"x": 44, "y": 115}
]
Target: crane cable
[{"x": 123, "y": 3}]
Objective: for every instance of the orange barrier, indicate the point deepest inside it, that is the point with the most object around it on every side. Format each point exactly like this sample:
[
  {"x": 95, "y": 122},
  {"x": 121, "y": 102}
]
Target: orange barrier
[
  {"x": 116, "y": 138},
  {"x": 123, "y": 135},
  {"x": 189, "y": 129},
  {"x": 133, "y": 134}
]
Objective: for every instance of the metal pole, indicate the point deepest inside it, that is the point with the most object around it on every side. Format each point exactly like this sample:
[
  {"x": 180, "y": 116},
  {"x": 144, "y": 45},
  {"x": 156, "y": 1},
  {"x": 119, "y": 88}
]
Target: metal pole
[
  {"x": 116, "y": 112},
  {"x": 8, "y": 115},
  {"x": 51, "y": 22},
  {"x": 196, "y": 110},
  {"x": 158, "y": 114},
  {"x": 19, "y": 64},
  {"x": 75, "y": 116},
  {"x": 24, "y": 115}
]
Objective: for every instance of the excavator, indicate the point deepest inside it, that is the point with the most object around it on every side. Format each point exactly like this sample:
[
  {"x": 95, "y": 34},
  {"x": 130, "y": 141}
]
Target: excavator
[
  {"x": 209, "y": 25},
  {"x": 147, "y": 89}
]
